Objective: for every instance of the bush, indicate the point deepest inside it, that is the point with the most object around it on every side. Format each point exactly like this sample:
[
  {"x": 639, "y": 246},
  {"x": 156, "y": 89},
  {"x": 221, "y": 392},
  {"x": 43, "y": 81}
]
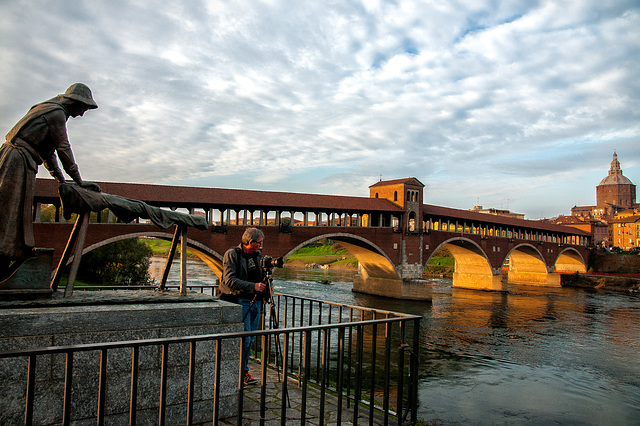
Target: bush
[{"x": 122, "y": 263}]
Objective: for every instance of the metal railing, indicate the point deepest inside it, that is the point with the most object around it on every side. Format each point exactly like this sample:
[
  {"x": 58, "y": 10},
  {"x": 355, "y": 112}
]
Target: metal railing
[
  {"x": 327, "y": 348},
  {"x": 339, "y": 357}
]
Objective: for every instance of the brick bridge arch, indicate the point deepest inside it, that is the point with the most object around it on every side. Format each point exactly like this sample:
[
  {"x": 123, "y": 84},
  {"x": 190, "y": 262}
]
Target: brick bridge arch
[{"x": 526, "y": 264}]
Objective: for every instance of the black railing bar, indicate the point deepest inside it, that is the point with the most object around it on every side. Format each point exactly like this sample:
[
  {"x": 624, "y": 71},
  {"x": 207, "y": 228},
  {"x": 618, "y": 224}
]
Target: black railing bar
[
  {"x": 400, "y": 363},
  {"x": 200, "y": 287},
  {"x": 31, "y": 390},
  {"x": 263, "y": 385},
  {"x": 360, "y": 308},
  {"x": 186, "y": 339},
  {"x": 68, "y": 386},
  {"x": 319, "y": 337},
  {"x": 349, "y": 360},
  {"x": 414, "y": 371},
  {"x": 102, "y": 387},
  {"x": 387, "y": 373},
  {"x": 305, "y": 378},
  {"x": 133, "y": 399},
  {"x": 285, "y": 379},
  {"x": 358, "y": 390},
  {"x": 240, "y": 410},
  {"x": 216, "y": 379},
  {"x": 340, "y": 368},
  {"x": 163, "y": 384},
  {"x": 191, "y": 385},
  {"x": 324, "y": 373},
  {"x": 374, "y": 351}
]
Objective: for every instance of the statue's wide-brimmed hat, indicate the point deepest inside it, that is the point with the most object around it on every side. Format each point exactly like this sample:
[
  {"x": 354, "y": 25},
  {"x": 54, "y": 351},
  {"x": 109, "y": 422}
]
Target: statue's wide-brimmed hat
[{"x": 80, "y": 92}]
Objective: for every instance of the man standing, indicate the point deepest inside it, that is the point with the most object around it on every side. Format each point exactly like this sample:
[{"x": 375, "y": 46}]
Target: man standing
[
  {"x": 243, "y": 283},
  {"x": 39, "y": 137}
]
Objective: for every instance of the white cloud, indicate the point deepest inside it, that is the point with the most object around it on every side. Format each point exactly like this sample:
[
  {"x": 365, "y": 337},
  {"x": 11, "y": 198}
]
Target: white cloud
[{"x": 520, "y": 100}]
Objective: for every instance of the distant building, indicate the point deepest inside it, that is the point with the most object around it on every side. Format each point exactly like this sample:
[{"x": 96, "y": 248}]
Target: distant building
[
  {"x": 614, "y": 194},
  {"x": 615, "y": 206},
  {"x": 624, "y": 232},
  {"x": 497, "y": 212},
  {"x": 598, "y": 229}
]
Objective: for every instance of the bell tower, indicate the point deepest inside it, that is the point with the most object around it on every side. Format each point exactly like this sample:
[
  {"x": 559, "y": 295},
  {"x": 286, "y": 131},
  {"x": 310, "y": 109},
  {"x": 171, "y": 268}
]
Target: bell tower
[{"x": 406, "y": 193}]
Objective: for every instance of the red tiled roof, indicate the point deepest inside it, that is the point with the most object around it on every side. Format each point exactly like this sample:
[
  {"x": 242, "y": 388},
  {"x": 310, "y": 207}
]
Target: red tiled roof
[
  {"x": 396, "y": 182},
  {"x": 495, "y": 219},
  {"x": 183, "y": 196}
]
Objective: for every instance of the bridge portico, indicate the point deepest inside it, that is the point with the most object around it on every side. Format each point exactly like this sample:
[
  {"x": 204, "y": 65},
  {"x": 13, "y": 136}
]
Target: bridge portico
[{"x": 393, "y": 238}]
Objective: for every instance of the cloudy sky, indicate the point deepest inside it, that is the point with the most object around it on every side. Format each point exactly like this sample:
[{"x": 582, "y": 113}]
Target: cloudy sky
[{"x": 509, "y": 104}]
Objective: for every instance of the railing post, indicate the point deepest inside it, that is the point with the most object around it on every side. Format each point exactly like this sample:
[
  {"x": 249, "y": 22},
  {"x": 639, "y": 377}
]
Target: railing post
[
  {"x": 31, "y": 390},
  {"x": 68, "y": 386},
  {"x": 340, "y": 369},
  {"x": 102, "y": 387},
  {"x": 387, "y": 368},
  {"x": 358, "y": 390},
  {"x": 413, "y": 400},
  {"x": 133, "y": 399}
]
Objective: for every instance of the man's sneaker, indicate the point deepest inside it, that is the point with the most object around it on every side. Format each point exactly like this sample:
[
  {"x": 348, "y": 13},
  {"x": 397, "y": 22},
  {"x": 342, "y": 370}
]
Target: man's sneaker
[{"x": 248, "y": 380}]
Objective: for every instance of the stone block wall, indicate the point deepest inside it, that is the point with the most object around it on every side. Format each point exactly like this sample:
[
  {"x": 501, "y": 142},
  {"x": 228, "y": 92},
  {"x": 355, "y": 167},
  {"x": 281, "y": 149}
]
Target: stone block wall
[{"x": 105, "y": 320}]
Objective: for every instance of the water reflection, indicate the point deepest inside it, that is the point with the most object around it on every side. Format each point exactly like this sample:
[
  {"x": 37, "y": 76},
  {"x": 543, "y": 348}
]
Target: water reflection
[{"x": 533, "y": 355}]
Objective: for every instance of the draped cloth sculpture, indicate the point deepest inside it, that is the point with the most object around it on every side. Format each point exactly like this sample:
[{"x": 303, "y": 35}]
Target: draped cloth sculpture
[
  {"x": 76, "y": 199},
  {"x": 81, "y": 201}
]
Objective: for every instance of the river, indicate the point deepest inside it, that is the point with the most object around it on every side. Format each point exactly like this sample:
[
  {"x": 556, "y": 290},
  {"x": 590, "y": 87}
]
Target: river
[{"x": 530, "y": 356}]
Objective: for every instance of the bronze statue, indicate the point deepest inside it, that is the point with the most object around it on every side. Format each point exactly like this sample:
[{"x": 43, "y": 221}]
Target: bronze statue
[{"x": 40, "y": 137}]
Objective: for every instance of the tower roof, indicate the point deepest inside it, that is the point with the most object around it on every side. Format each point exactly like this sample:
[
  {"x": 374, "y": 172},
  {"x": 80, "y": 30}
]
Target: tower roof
[{"x": 615, "y": 176}]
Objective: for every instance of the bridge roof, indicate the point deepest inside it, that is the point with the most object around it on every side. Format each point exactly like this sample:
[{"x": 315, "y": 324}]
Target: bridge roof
[
  {"x": 198, "y": 197},
  {"x": 458, "y": 214}
]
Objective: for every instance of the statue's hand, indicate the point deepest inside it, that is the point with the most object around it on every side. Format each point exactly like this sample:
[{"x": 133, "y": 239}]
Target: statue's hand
[{"x": 91, "y": 186}]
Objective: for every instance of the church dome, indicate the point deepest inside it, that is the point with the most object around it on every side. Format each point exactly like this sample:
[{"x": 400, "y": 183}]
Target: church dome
[
  {"x": 616, "y": 180},
  {"x": 615, "y": 176}
]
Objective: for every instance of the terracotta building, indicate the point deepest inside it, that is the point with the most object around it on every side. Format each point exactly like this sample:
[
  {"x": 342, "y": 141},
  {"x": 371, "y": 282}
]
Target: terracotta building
[
  {"x": 615, "y": 206},
  {"x": 614, "y": 194},
  {"x": 624, "y": 232}
]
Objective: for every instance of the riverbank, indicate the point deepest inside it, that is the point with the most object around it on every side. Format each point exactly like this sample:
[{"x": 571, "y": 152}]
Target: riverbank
[
  {"x": 330, "y": 265},
  {"x": 602, "y": 281}
]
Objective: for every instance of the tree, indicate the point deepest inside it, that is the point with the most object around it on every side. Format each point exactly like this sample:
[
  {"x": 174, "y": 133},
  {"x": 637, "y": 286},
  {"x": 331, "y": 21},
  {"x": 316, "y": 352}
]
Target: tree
[{"x": 122, "y": 263}]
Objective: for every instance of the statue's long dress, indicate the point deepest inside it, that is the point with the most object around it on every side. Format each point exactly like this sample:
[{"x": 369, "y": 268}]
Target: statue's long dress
[{"x": 17, "y": 181}]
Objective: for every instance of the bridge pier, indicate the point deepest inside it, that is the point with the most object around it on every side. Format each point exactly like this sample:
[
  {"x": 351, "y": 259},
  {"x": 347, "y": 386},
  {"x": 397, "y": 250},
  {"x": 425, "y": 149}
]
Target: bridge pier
[
  {"x": 396, "y": 288},
  {"x": 542, "y": 279},
  {"x": 472, "y": 281}
]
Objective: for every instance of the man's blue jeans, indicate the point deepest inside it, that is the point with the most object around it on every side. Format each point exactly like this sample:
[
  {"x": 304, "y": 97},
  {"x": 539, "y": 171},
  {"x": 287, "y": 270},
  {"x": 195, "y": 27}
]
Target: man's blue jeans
[{"x": 251, "y": 323}]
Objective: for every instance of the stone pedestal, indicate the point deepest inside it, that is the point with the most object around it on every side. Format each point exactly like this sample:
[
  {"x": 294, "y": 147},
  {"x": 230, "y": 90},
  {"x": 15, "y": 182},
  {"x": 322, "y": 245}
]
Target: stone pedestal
[
  {"x": 32, "y": 278},
  {"x": 98, "y": 317}
]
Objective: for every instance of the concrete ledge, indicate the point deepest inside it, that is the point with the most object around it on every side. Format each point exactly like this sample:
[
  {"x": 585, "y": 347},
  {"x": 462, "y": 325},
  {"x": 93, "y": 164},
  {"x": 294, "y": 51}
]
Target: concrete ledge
[{"x": 118, "y": 316}]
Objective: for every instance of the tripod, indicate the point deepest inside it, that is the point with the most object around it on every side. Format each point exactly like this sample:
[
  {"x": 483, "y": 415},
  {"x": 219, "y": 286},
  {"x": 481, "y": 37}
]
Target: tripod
[{"x": 273, "y": 320}]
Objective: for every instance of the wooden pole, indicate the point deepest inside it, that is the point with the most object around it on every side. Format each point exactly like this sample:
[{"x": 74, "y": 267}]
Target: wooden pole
[
  {"x": 172, "y": 253},
  {"x": 66, "y": 254},
  {"x": 82, "y": 235}
]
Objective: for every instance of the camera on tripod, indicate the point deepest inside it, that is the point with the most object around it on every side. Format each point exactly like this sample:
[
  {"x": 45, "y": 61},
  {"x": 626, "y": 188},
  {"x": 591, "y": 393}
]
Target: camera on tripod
[{"x": 268, "y": 263}]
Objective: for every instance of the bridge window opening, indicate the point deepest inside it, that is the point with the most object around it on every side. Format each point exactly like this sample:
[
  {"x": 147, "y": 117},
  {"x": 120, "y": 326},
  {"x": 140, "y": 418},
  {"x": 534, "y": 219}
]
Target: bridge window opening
[
  {"x": 395, "y": 195},
  {"x": 270, "y": 218},
  {"x": 412, "y": 222},
  {"x": 299, "y": 219},
  {"x": 312, "y": 219},
  {"x": 285, "y": 219}
]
